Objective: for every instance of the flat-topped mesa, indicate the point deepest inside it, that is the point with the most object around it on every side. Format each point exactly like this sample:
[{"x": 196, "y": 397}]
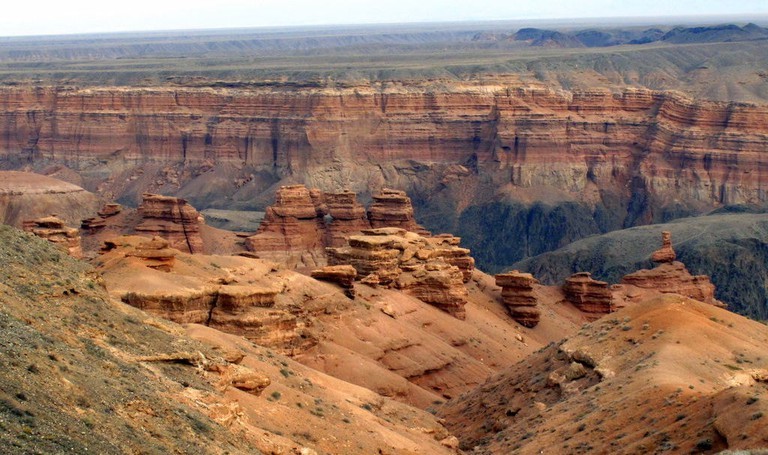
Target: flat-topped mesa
[
  {"x": 155, "y": 254},
  {"x": 343, "y": 275},
  {"x": 672, "y": 277},
  {"x": 348, "y": 217},
  {"x": 53, "y": 229},
  {"x": 666, "y": 253},
  {"x": 392, "y": 208},
  {"x": 173, "y": 219},
  {"x": 589, "y": 295},
  {"x": 517, "y": 294},
  {"x": 293, "y": 228},
  {"x": 394, "y": 257}
]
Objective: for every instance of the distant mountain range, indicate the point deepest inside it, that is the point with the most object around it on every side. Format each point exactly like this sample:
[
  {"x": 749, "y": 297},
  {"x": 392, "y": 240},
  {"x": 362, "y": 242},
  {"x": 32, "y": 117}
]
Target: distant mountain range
[{"x": 616, "y": 37}]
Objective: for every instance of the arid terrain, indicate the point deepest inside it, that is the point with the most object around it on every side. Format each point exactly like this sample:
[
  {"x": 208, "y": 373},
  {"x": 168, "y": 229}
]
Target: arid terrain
[{"x": 417, "y": 239}]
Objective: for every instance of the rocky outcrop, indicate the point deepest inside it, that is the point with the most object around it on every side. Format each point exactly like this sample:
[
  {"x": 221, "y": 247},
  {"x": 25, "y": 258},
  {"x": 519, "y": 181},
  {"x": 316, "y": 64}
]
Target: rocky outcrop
[
  {"x": 173, "y": 219},
  {"x": 589, "y": 295},
  {"x": 348, "y": 217},
  {"x": 666, "y": 253},
  {"x": 672, "y": 277},
  {"x": 53, "y": 229},
  {"x": 293, "y": 228},
  {"x": 396, "y": 258},
  {"x": 155, "y": 254},
  {"x": 99, "y": 222},
  {"x": 446, "y": 247},
  {"x": 343, "y": 275},
  {"x": 392, "y": 208},
  {"x": 517, "y": 294}
]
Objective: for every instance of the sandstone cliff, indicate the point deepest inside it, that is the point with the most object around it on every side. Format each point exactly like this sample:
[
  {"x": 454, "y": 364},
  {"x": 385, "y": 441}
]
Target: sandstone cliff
[{"x": 470, "y": 154}]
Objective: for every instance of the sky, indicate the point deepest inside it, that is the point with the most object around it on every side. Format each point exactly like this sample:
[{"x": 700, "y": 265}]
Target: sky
[{"x": 46, "y": 17}]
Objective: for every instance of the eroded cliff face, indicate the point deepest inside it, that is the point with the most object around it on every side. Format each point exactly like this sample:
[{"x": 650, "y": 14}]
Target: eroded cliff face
[{"x": 539, "y": 163}]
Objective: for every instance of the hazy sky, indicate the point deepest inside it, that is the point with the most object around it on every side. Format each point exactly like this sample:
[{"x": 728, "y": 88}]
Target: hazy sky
[{"x": 30, "y": 17}]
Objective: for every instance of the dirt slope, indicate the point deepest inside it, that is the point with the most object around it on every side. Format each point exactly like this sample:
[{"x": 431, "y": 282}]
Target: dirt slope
[
  {"x": 82, "y": 373},
  {"x": 669, "y": 374}
]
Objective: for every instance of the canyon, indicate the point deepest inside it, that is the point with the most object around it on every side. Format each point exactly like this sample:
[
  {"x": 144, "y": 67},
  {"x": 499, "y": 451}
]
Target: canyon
[{"x": 515, "y": 169}]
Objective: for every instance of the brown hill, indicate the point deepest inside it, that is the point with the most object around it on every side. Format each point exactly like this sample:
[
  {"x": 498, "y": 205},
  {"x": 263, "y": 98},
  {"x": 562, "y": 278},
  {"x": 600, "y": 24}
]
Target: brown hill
[
  {"x": 27, "y": 196},
  {"x": 83, "y": 373},
  {"x": 668, "y": 374}
]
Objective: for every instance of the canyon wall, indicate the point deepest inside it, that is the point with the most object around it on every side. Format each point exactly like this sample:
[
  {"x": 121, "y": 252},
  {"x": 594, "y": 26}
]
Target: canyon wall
[{"x": 516, "y": 171}]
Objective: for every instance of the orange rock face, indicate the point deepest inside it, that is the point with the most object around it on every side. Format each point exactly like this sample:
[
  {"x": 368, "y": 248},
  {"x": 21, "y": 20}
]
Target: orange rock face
[
  {"x": 393, "y": 257},
  {"x": 53, "y": 229},
  {"x": 156, "y": 253},
  {"x": 293, "y": 228},
  {"x": 589, "y": 295},
  {"x": 348, "y": 217},
  {"x": 343, "y": 275},
  {"x": 664, "y": 144},
  {"x": 172, "y": 219},
  {"x": 517, "y": 294}
]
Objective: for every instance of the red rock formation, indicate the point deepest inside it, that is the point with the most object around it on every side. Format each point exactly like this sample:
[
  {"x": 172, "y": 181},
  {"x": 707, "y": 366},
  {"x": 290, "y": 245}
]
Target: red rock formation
[
  {"x": 343, "y": 275},
  {"x": 672, "y": 277},
  {"x": 348, "y": 217},
  {"x": 155, "y": 254},
  {"x": 446, "y": 246},
  {"x": 392, "y": 208},
  {"x": 293, "y": 228},
  {"x": 666, "y": 253},
  {"x": 172, "y": 219},
  {"x": 589, "y": 295},
  {"x": 53, "y": 229},
  {"x": 96, "y": 223},
  {"x": 405, "y": 260},
  {"x": 517, "y": 294}
]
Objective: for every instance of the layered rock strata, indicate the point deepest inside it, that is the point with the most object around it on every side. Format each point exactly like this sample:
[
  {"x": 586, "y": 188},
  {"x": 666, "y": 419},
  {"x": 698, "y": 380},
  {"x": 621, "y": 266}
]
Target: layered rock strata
[
  {"x": 517, "y": 294},
  {"x": 672, "y": 277},
  {"x": 393, "y": 208},
  {"x": 396, "y": 258},
  {"x": 348, "y": 217},
  {"x": 343, "y": 275},
  {"x": 293, "y": 228},
  {"x": 173, "y": 219},
  {"x": 155, "y": 254},
  {"x": 589, "y": 295},
  {"x": 53, "y": 229}
]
